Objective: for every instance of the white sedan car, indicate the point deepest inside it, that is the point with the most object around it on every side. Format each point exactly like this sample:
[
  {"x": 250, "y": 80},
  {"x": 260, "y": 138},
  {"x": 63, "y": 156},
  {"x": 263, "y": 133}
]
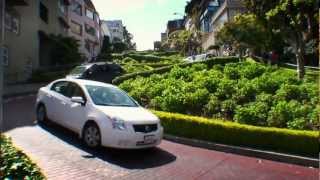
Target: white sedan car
[{"x": 101, "y": 114}]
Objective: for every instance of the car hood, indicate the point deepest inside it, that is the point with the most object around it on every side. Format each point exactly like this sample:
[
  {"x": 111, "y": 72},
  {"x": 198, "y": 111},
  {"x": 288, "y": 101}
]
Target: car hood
[{"x": 130, "y": 114}]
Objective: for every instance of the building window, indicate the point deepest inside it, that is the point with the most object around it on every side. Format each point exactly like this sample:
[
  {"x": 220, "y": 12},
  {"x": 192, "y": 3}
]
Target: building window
[
  {"x": 76, "y": 28},
  {"x": 214, "y": 3},
  {"x": 77, "y": 8},
  {"x": 44, "y": 13},
  {"x": 62, "y": 6},
  {"x": 96, "y": 16},
  {"x": 12, "y": 22},
  {"x": 5, "y": 55},
  {"x": 89, "y": 14},
  {"x": 90, "y": 30}
]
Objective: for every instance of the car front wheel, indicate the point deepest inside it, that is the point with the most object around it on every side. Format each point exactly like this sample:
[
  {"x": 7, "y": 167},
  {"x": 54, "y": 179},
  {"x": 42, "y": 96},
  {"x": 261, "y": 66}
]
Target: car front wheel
[
  {"x": 91, "y": 135},
  {"x": 41, "y": 113}
]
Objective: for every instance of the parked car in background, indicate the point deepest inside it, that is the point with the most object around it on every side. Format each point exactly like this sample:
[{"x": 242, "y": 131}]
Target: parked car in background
[
  {"x": 102, "y": 72},
  {"x": 200, "y": 57},
  {"x": 101, "y": 114}
]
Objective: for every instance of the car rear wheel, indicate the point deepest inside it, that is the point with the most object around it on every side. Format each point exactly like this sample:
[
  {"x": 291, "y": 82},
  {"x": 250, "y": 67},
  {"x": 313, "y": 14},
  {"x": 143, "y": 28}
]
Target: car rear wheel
[
  {"x": 91, "y": 135},
  {"x": 41, "y": 113}
]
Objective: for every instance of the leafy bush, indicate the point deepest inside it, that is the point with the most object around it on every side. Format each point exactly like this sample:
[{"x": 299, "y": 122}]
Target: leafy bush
[
  {"x": 290, "y": 114},
  {"x": 14, "y": 164},
  {"x": 289, "y": 92},
  {"x": 210, "y": 63},
  {"x": 255, "y": 113},
  {"x": 213, "y": 106},
  {"x": 251, "y": 70},
  {"x": 217, "y": 131},
  {"x": 231, "y": 71},
  {"x": 267, "y": 96}
]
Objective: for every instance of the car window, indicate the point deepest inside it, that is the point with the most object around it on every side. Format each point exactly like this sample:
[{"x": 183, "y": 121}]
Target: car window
[
  {"x": 109, "y": 96},
  {"x": 105, "y": 68},
  {"x": 76, "y": 91},
  {"x": 61, "y": 87}
]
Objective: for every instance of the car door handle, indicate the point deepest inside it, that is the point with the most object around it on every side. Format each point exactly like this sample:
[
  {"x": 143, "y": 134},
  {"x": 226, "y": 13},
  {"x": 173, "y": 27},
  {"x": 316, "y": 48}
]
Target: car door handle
[
  {"x": 49, "y": 96},
  {"x": 63, "y": 103}
]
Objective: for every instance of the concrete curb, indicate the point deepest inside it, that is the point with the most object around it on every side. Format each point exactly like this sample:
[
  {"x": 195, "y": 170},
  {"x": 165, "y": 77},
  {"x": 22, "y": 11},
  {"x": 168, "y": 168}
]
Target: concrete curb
[{"x": 268, "y": 155}]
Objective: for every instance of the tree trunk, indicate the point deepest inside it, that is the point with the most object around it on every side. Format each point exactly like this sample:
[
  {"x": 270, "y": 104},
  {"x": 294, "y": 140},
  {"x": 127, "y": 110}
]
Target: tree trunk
[{"x": 300, "y": 56}]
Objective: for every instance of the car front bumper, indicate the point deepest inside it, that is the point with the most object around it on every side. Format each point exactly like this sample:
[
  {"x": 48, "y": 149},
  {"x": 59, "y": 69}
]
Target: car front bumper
[{"x": 131, "y": 139}]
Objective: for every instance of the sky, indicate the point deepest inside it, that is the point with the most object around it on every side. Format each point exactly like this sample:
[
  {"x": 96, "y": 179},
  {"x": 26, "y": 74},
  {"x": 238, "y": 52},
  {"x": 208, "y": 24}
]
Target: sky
[{"x": 145, "y": 19}]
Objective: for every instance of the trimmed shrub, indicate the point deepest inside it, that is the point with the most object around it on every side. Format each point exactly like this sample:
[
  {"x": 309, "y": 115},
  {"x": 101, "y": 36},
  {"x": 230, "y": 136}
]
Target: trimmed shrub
[
  {"x": 253, "y": 114},
  {"x": 209, "y": 63},
  {"x": 263, "y": 100},
  {"x": 14, "y": 164},
  {"x": 213, "y": 106},
  {"x": 304, "y": 143}
]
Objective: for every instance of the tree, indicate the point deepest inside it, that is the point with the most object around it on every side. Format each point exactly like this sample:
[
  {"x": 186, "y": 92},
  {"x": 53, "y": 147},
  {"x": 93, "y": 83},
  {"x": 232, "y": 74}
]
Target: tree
[
  {"x": 186, "y": 42},
  {"x": 242, "y": 33},
  {"x": 297, "y": 20},
  {"x": 106, "y": 49},
  {"x": 127, "y": 36},
  {"x": 65, "y": 50},
  {"x": 119, "y": 47}
]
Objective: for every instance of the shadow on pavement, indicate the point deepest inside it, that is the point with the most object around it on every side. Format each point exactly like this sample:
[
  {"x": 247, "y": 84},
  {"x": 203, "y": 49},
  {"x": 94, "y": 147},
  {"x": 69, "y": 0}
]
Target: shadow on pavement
[
  {"x": 19, "y": 112},
  {"x": 129, "y": 159}
]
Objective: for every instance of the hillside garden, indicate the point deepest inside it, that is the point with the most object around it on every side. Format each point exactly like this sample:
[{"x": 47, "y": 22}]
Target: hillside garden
[{"x": 243, "y": 92}]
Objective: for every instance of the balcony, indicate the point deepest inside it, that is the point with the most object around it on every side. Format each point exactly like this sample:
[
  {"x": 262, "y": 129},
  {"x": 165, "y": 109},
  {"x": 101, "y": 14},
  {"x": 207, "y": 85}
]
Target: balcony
[{"x": 18, "y": 2}]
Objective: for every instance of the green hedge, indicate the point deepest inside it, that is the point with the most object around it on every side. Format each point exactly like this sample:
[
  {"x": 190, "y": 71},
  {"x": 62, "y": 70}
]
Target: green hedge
[
  {"x": 161, "y": 70},
  {"x": 304, "y": 143},
  {"x": 14, "y": 164},
  {"x": 154, "y": 65},
  {"x": 150, "y": 58}
]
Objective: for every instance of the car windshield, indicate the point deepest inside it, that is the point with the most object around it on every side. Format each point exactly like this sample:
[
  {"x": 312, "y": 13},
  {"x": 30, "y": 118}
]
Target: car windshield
[
  {"x": 109, "y": 96},
  {"x": 78, "y": 70}
]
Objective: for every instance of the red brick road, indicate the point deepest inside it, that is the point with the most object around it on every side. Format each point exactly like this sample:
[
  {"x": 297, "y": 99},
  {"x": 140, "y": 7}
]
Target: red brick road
[{"x": 61, "y": 156}]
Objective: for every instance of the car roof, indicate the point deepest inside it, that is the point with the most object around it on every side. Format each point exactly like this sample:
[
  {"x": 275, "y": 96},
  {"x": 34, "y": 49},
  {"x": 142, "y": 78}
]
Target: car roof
[{"x": 84, "y": 82}]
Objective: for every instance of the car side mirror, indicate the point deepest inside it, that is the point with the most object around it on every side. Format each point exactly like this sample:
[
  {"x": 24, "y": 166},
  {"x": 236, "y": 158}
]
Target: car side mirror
[{"x": 79, "y": 100}]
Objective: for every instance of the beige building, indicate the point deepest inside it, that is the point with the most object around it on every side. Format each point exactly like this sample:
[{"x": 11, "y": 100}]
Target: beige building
[
  {"x": 225, "y": 13},
  {"x": 84, "y": 24},
  {"x": 28, "y": 25}
]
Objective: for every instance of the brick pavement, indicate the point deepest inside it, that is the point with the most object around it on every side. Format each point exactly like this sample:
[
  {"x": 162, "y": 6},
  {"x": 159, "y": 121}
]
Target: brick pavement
[{"x": 61, "y": 155}]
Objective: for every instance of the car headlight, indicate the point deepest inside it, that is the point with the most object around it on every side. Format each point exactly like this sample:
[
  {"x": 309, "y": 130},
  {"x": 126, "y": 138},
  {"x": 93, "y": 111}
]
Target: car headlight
[{"x": 118, "y": 124}]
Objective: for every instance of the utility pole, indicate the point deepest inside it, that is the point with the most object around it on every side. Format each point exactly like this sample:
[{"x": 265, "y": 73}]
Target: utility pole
[{"x": 2, "y": 14}]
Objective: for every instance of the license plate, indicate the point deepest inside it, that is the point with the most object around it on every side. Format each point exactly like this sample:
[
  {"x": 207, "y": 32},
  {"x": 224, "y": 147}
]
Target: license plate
[{"x": 149, "y": 138}]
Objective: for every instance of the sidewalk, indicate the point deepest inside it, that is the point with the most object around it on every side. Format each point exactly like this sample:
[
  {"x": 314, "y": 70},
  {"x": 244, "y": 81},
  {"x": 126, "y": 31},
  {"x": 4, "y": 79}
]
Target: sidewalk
[{"x": 21, "y": 89}]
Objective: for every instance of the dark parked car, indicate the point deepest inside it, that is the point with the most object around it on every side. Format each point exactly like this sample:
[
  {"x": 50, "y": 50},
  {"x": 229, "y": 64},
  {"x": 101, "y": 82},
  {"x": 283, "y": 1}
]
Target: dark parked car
[{"x": 102, "y": 72}]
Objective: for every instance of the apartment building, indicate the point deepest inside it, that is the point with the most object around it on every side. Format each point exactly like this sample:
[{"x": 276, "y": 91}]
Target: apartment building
[
  {"x": 174, "y": 25},
  {"x": 114, "y": 29},
  {"x": 208, "y": 16},
  {"x": 84, "y": 24},
  {"x": 225, "y": 13},
  {"x": 29, "y": 24}
]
